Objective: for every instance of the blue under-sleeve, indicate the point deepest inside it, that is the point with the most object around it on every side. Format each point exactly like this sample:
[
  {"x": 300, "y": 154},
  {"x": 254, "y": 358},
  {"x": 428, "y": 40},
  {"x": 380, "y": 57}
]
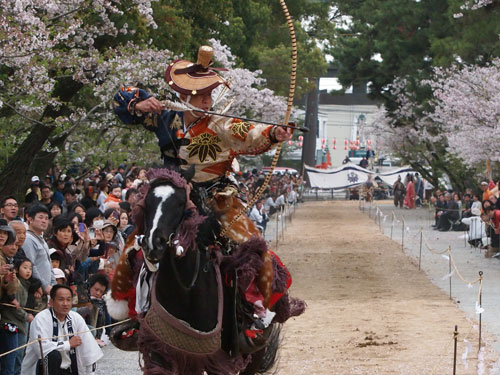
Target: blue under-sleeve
[{"x": 121, "y": 102}]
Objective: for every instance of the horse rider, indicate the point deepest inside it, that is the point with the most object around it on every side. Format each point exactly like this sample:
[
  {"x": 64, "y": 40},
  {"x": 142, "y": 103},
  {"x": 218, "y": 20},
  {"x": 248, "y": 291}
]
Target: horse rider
[{"x": 210, "y": 143}]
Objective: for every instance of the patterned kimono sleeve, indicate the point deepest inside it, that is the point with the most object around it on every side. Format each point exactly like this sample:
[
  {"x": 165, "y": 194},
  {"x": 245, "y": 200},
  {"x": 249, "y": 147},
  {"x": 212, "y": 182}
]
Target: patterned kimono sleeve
[
  {"x": 124, "y": 104},
  {"x": 244, "y": 138}
]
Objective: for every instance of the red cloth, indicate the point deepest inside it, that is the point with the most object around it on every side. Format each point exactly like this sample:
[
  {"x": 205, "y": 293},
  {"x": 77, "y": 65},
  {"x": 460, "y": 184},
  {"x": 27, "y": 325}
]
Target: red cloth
[{"x": 410, "y": 195}]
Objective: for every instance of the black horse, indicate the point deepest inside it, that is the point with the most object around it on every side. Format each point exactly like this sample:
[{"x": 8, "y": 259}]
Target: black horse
[{"x": 194, "y": 323}]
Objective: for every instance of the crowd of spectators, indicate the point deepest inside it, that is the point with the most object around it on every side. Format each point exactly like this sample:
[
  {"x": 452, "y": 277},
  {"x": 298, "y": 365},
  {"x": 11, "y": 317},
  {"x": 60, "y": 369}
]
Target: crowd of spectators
[
  {"x": 71, "y": 231},
  {"x": 476, "y": 211}
]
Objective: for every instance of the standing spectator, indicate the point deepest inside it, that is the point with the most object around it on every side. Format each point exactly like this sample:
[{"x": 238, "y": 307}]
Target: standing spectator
[
  {"x": 36, "y": 248},
  {"x": 55, "y": 209},
  {"x": 399, "y": 192},
  {"x": 70, "y": 354},
  {"x": 427, "y": 190},
  {"x": 58, "y": 195},
  {"x": 103, "y": 194},
  {"x": 9, "y": 208},
  {"x": 419, "y": 190},
  {"x": 410, "y": 193},
  {"x": 46, "y": 195},
  {"x": 69, "y": 197},
  {"x": 33, "y": 194},
  {"x": 20, "y": 228}
]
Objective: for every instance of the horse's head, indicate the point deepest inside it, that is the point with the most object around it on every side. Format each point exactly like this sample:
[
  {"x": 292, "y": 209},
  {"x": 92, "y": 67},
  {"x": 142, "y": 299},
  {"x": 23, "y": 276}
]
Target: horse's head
[{"x": 164, "y": 208}]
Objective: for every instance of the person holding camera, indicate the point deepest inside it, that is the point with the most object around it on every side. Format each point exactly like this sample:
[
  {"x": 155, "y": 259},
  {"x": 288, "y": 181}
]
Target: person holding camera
[{"x": 94, "y": 312}]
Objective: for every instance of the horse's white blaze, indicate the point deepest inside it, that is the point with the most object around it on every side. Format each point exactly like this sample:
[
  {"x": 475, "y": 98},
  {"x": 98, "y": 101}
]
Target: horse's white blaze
[{"x": 162, "y": 192}]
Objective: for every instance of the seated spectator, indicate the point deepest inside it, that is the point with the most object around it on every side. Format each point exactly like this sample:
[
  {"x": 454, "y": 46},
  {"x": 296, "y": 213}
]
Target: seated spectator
[
  {"x": 269, "y": 205},
  {"x": 258, "y": 215},
  {"x": 94, "y": 312},
  {"x": 475, "y": 227},
  {"x": 440, "y": 206},
  {"x": 450, "y": 215},
  {"x": 492, "y": 220},
  {"x": 68, "y": 354}
]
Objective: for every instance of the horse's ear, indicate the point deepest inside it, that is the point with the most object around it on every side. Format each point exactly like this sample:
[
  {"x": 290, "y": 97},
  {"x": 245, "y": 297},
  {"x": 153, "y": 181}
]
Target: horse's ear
[{"x": 188, "y": 174}]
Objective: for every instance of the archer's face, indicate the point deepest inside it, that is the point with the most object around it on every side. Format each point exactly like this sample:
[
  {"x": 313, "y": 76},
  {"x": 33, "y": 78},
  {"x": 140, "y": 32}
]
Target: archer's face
[{"x": 202, "y": 101}]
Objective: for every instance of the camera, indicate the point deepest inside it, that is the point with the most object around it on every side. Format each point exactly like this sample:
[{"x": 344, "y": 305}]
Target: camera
[{"x": 92, "y": 233}]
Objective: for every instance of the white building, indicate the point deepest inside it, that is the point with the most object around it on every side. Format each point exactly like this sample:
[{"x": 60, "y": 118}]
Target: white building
[{"x": 342, "y": 117}]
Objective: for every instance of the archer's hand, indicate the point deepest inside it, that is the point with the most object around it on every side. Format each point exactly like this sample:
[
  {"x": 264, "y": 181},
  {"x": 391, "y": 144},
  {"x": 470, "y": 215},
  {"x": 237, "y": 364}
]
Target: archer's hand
[
  {"x": 283, "y": 134},
  {"x": 150, "y": 105}
]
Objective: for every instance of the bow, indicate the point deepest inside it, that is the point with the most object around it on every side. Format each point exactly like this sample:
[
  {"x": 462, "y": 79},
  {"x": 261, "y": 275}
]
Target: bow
[{"x": 291, "y": 93}]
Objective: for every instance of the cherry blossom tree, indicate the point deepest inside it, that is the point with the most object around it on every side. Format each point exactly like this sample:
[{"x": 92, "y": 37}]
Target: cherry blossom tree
[
  {"x": 467, "y": 104},
  {"x": 60, "y": 64}
]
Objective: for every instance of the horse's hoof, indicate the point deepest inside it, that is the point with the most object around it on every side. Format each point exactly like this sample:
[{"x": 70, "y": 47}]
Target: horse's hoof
[{"x": 124, "y": 336}]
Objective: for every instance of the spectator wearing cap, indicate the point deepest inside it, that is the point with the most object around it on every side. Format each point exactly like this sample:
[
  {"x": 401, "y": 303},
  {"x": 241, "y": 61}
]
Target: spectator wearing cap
[
  {"x": 9, "y": 208},
  {"x": 59, "y": 276},
  {"x": 486, "y": 190},
  {"x": 36, "y": 248},
  {"x": 33, "y": 193}
]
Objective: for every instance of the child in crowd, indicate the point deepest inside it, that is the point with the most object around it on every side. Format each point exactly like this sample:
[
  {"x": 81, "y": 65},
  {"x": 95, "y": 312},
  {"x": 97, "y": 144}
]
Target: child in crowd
[
  {"x": 59, "y": 276},
  {"x": 20, "y": 317}
]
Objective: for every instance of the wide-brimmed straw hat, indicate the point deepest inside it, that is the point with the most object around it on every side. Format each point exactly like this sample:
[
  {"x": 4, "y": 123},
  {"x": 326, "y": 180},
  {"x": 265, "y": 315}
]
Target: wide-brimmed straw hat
[{"x": 189, "y": 78}]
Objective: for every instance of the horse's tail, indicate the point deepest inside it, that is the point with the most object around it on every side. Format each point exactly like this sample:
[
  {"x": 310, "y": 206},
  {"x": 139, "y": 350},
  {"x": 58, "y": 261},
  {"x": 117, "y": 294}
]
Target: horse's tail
[{"x": 271, "y": 350}]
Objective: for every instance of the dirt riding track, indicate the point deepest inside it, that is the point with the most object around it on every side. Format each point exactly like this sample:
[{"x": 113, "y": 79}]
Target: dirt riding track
[{"x": 370, "y": 310}]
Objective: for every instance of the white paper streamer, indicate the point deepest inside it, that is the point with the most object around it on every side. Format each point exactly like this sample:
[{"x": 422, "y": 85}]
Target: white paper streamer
[
  {"x": 468, "y": 349},
  {"x": 445, "y": 257},
  {"x": 447, "y": 276},
  {"x": 408, "y": 229},
  {"x": 479, "y": 309},
  {"x": 469, "y": 285}
]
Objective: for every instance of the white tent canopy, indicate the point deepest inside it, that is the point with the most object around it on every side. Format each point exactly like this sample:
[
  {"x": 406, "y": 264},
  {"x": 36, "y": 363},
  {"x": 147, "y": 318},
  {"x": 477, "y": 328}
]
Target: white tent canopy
[{"x": 350, "y": 175}]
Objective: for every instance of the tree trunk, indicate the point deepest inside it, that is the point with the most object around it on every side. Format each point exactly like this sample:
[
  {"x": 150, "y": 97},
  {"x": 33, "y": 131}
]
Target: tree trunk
[
  {"x": 16, "y": 176},
  {"x": 309, "y": 144}
]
